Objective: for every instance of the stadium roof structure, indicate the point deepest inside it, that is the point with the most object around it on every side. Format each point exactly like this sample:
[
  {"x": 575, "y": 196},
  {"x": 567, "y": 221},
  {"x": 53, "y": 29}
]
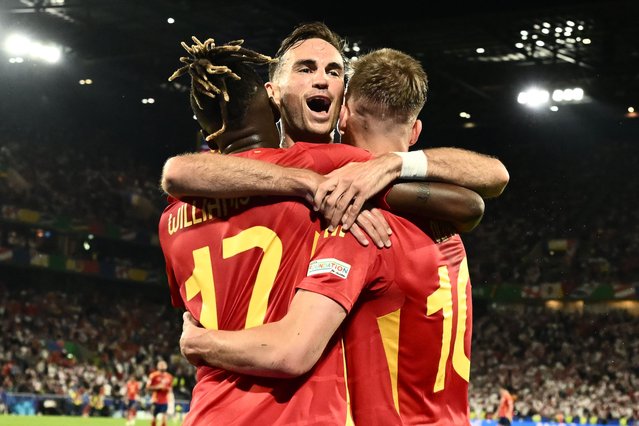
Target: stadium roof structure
[{"x": 478, "y": 56}]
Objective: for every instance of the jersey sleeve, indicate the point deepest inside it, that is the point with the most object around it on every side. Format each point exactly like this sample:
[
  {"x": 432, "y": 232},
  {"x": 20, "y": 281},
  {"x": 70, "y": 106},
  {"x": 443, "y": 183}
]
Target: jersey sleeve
[
  {"x": 321, "y": 158},
  {"x": 341, "y": 268}
]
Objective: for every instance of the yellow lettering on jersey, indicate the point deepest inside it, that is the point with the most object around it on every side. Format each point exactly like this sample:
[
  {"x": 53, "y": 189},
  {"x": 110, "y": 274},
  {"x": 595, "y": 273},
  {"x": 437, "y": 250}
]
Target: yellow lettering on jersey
[
  {"x": 315, "y": 239},
  {"x": 201, "y": 281},
  {"x": 337, "y": 232},
  {"x": 269, "y": 242},
  {"x": 172, "y": 224},
  {"x": 187, "y": 222},
  {"x": 389, "y": 329},
  {"x": 461, "y": 363},
  {"x": 194, "y": 217},
  {"x": 442, "y": 299}
]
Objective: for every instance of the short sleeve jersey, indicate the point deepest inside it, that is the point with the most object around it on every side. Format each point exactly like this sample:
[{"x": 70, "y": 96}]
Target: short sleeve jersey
[
  {"x": 408, "y": 343},
  {"x": 163, "y": 379},
  {"x": 234, "y": 264},
  {"x": 132, "y": 390}
]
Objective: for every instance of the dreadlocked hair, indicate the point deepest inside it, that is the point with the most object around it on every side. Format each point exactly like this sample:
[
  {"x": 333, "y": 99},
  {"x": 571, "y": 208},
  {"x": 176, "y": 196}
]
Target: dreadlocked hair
[{"x": 212, "y": 69}]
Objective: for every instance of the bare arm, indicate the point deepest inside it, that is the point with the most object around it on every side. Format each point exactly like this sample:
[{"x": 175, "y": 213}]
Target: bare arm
[
  {"x": 286, "y": 348},
  {"x": 482, "y": 173},
  {"x": 454, "y": 204},
  {"x": 224, "y": 176},
  {"x": 350, "y": 186}
]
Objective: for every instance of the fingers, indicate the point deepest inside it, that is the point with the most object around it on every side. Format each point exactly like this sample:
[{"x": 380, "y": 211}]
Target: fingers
[
  {"x": 323, "y": 189},
  {"x": 377, "y": 213},
  {"x": 374, "y": 228},
  {"x": 348, "y": 219},
  {"x": 359, "y": 235}
]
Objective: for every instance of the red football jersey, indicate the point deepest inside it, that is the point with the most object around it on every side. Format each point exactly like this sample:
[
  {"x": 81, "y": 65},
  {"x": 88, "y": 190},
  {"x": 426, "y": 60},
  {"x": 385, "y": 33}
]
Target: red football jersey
[
  {"x": 132, "y": 390},
  {"x": 163, "y": 379},
  {"x": 234, "y": 264},
  {"x": 407, "y": 336},
  {"x": 420, "y": 348}
]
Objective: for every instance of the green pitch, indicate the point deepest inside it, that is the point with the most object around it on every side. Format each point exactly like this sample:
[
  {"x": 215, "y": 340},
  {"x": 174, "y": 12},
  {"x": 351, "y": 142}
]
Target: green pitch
[{"x": 10, "y": 420}]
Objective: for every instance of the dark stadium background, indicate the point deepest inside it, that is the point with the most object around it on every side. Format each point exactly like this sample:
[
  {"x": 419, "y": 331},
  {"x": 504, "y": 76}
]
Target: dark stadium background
[{"x": 554, "y": 264}]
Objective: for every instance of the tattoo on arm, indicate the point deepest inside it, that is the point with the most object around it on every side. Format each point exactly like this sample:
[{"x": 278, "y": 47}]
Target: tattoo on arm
[{"x": 423, "y": 193}]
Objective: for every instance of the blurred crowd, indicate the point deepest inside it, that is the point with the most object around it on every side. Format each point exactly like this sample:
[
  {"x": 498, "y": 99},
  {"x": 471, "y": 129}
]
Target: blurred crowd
[
  {"x": 65, "y": 342},
  {"x": 571, "y": 222},
  {"x": 558, "y": 364}
]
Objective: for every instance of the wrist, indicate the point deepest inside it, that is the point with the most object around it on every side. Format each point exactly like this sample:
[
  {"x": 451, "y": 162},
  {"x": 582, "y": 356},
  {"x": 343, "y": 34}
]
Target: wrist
[
  {"x": 301, "y": 182},
  {"x": 414, "y": 165}
]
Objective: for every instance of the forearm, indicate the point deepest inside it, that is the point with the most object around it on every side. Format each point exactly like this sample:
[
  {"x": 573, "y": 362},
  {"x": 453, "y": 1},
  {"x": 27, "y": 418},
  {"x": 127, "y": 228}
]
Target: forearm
[
  {"x": 256, "y": 351},
  {"x": 224, "y": 176},
  {"x": 285, "y": 348},
  {"x": 456, "y": 205},
  {"x": 481, "y": 173}
]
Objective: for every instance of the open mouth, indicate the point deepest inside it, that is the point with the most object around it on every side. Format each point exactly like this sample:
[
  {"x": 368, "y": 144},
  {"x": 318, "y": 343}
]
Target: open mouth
[{"x": 319, "y": 104}]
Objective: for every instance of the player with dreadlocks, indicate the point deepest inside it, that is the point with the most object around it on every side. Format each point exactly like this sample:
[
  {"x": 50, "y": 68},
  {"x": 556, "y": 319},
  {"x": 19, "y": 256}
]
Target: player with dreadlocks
[{"x": 234, "y": 264}]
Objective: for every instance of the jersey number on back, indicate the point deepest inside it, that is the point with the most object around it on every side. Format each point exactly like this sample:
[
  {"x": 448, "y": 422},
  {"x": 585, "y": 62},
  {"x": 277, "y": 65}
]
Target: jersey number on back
[
  {"x": 202, "y": 280},
  {"x": 442, "y": 300}
]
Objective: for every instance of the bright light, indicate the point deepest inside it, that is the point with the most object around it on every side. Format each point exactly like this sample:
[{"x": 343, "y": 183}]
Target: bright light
[
  {"x": 533, "y": 97},
  {"x": 151, "y": 100},
  {"x": 570, "y": 23},
  {"x": 51, "y": 54},
  {"x": 554, "y": 108},
  {"x": 546, "y": 24},
  {"x": 86, "y": 246},
  {"x": 17, "y": 44},
  {"x": 545, "y": 30},
  {"x": 88, "y": 81},
  {"x": 539, "y": 43},
  {"x": 587, "y": 41},
  {"x": 568, "y": 95},
  {"x": 464, "y": 115},
  {"x": 170, "y": 21},
  {"x": 148, "y": 101},
  {"x": 523, "y": 32},
  {"x": 145, "y": 101},
  {"x": 519, "y": 45},
  {"x": 558, "y": 95},
  {"x": 480, "y": 50},
  {"x": 631, "y": 109}
]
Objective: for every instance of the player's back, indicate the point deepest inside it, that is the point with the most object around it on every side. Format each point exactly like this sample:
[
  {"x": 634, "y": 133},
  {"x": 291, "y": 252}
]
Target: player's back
[
  {"x": 408, "y": 350},
  {"x": 234, "y": 264}
]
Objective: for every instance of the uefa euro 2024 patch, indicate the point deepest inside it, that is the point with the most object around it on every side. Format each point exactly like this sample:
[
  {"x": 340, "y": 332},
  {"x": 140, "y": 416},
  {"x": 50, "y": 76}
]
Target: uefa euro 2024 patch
[{"x": 332, "y": 266}]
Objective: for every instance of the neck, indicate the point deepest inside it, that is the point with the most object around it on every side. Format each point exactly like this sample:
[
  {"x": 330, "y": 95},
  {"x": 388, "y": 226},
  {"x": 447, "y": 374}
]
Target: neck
[{"x": 248, "y": 142}]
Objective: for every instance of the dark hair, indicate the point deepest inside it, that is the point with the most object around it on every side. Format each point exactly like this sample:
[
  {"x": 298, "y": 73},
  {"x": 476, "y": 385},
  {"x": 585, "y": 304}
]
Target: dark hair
[
  {"x": 307, "y": 31},
  {"x": 215, "y": 72}
]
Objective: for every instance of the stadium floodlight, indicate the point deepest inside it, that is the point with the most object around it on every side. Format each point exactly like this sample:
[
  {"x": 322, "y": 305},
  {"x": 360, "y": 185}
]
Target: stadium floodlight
[
  {"x": 20, "y": 45},
  {"x": 17, "y": 44},
  {"x": 568, "y": 95},
  {"x": 51, "y": 54},
  {"x": 533, "y": 97}
]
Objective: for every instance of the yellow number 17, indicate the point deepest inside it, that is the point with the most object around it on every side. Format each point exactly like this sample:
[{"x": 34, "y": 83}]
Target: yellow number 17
[{"x": 202, "y": 282}]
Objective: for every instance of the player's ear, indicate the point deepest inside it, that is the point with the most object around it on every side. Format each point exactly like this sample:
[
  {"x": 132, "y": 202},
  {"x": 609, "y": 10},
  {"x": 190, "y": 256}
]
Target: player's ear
[{"x": 415, "y": 132}]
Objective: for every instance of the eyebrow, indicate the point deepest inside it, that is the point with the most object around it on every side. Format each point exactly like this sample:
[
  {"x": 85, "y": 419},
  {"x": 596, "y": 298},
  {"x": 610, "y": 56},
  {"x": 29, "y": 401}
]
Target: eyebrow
[{"x": 313, "y": 63}]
